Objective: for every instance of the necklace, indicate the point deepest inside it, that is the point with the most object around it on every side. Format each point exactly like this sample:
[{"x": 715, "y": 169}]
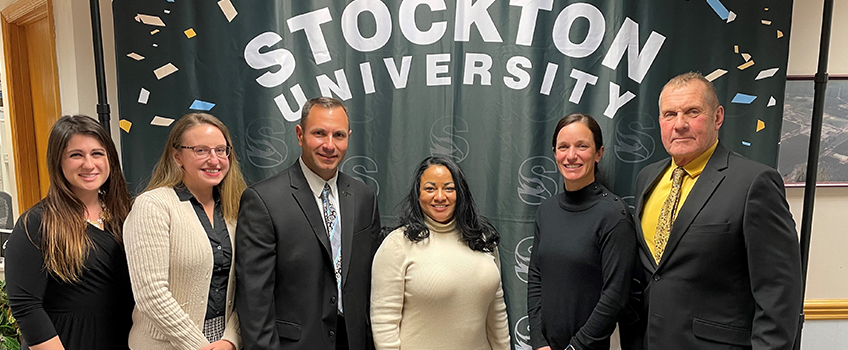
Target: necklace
[{"x": 99, "y": 222}]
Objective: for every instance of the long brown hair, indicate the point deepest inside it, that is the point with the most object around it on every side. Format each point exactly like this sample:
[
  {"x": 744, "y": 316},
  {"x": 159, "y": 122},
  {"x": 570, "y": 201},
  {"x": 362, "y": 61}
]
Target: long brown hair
[
  {"x": 64, "y": 242},
  {"x": 168, "y": 173}
]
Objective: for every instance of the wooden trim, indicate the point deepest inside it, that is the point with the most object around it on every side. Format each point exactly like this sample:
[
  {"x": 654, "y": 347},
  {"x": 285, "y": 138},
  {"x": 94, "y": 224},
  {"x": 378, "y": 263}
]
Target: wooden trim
[
  {"x": 826, "y": 309},
  {"x": 25, "y": 11},
  {"x": 19, "y": 114},
  {"x": 19, "y": 101}
]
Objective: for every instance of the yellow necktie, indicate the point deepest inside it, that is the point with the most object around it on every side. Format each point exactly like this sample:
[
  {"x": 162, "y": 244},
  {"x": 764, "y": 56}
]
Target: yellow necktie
[{"x": 668, "y": 213}]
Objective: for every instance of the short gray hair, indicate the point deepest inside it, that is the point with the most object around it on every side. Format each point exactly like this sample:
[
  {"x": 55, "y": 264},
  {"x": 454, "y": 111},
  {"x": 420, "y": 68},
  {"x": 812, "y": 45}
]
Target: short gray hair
[{"x": 684, "y": 79}]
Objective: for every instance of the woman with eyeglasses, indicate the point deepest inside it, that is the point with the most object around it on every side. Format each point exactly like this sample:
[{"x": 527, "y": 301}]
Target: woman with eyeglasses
[{"x": 179, "y": 242}]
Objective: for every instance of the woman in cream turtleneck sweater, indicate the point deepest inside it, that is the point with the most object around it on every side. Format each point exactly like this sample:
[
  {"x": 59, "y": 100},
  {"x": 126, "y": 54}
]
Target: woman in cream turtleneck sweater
[{"x": 436, "y": 279}]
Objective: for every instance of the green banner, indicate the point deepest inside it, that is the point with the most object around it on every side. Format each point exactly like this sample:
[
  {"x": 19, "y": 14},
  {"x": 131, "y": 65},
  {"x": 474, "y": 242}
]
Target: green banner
[{"x": 483, "y": 82}]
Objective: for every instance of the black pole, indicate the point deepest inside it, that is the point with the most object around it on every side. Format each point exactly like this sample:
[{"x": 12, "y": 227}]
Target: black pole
[
  {"x": 813, "y": 155},
  {"x": 100, "y": 72}
]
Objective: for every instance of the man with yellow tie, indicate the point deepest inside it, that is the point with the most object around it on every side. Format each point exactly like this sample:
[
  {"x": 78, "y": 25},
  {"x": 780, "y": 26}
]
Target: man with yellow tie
[{"x": 719, "y": 251}]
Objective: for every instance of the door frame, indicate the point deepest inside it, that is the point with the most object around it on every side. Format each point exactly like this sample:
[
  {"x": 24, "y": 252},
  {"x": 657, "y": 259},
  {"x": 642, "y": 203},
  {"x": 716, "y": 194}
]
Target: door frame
[{"x": 19, "y": 100}]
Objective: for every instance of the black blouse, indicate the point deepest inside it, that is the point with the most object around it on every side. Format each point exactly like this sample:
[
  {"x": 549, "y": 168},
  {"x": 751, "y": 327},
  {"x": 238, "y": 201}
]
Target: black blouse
[
  {"x": 222, "y": 250},
  {"x": 93, "y": 314}
]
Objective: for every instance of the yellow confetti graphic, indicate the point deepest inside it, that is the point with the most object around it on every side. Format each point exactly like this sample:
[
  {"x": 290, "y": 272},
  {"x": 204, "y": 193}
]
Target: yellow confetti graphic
[
  {"x": 735, "y": 48},
  {"x": 760, "y": 125},
  {"x": 766, "y": 22},
  {"x": 125, "y": 125},
  {"x": 746, "y": 65},
  {"x": 779, "y": 34},
  {"x": 190, "y": 33},
  {"x": 154, "y": 31}
]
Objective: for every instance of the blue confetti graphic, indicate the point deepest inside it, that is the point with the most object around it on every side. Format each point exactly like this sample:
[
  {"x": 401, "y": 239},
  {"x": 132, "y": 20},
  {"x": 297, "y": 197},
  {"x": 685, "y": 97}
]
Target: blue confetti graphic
[
  {"x": 743, "y": 98},
  {"x": 746, "y": 143},
  {"x": 199, "y": 105},
  {"x": 719, "y": 8}
]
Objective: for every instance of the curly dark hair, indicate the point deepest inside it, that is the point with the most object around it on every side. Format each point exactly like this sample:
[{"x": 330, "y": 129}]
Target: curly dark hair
[{"x": 475, "y": 230}]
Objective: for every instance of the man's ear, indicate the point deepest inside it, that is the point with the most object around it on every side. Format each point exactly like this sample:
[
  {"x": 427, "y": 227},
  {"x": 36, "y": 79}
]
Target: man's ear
[
  {"x": 719, "y": 116},
  {"x": 299, "y": 132}
]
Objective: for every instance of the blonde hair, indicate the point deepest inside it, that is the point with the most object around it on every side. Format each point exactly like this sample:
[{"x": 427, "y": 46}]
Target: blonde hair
[
  {"x": 168, "y": 173},
  {"x": 64, "y": 242}
]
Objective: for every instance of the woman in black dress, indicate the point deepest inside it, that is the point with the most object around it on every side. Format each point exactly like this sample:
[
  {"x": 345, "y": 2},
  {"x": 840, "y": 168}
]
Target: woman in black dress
[
  {"x": 584, "y": 249},
  {"x": 66, "y": 271}
]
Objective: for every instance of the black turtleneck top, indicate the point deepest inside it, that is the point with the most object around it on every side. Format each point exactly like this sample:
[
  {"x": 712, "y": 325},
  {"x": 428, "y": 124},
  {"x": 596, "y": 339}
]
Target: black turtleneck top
[{"x": 581, "y": 265}]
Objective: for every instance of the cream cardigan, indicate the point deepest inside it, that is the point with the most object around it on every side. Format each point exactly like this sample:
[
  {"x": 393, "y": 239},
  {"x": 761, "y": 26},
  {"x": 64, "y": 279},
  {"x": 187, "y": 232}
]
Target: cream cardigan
[{"x": 170, "y": 262}]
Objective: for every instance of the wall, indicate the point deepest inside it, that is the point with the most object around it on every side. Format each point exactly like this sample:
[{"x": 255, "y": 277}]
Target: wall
[
  {"x": 827, "y": 274},
  {"x": 75, "y": 57},
  {"x": 827, "y": 265}
]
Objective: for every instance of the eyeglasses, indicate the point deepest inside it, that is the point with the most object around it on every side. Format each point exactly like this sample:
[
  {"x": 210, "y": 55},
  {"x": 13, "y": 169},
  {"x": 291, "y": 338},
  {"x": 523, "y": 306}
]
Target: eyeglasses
[{"x": 203, "y": 151}]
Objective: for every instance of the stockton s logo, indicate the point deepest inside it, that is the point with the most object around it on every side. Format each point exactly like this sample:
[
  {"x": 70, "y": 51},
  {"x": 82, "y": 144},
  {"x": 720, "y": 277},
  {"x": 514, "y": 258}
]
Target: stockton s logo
[
  {"x": 265, "y": 145},
  {"x": 522, "y": 334},
  {"x": 632, "y": 143},
  {"x": 361, "y": 168},
  {"x": 522, "y": 258},
  {"x": 537, "y": 180},
  {"x": 444, "y": 140}
]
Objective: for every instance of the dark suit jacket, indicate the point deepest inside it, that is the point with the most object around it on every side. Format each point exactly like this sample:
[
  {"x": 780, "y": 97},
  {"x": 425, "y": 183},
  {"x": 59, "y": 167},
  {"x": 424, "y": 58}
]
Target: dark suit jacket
[
  {"x": 286, "y": 289},
  {"x": 730, "y": 276}
]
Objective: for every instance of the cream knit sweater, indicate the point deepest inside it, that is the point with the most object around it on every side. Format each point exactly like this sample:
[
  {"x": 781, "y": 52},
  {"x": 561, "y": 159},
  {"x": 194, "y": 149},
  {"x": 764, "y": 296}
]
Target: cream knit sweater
[
  {"x": 436, "y": 294},
  {"x": 170, "y": 262}
]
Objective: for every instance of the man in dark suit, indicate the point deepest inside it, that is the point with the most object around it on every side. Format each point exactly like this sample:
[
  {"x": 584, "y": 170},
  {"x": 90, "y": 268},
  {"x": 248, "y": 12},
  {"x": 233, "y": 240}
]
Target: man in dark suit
[
  {"x": 305, "y": 241},
  {"x": 719, "y": 250}
]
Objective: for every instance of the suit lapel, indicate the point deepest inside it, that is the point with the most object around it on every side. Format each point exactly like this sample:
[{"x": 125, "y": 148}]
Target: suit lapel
[
  {"x": 653, "y": 175},
  {"x": 306, "y": 200},
  {"x": 704, "y": 188},
  {"x": 347, "y": 202}
]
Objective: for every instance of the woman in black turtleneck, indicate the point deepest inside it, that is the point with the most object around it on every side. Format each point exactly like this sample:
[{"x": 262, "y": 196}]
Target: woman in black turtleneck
[{"x": 584, "y": 249}]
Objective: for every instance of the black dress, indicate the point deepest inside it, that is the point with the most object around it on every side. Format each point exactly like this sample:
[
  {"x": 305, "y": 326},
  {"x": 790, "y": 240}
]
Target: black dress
[
  {"x": 581, "y": 266},
  {"x": 92, "y": 314}
]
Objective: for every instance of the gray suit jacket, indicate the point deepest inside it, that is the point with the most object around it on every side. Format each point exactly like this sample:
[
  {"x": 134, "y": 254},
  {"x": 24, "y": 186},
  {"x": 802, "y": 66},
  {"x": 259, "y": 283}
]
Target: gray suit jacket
[
  {"x": 286, "y": 289},
  {"x": 730, "y": 277}
]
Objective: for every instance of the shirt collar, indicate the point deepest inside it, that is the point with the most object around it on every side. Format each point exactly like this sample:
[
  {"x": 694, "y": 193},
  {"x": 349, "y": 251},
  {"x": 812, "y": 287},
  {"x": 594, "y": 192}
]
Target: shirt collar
[
  {"x": 697, "y": 165},
  {"x": 184, "y": 194},
  {"x": 316, "y": 183}
]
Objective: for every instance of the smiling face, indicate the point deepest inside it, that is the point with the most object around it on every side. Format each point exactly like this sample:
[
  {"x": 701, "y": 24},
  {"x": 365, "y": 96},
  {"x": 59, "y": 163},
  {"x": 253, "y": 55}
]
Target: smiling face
[
  {"x": 202, "y": 173},
  {"x": 437, "y": 193},
  {"x": 323, "y": 139},
  {"x": 576, "y": 153},
  {"x": 85, "y": 165},
  {"x": 689, "y": 126}
]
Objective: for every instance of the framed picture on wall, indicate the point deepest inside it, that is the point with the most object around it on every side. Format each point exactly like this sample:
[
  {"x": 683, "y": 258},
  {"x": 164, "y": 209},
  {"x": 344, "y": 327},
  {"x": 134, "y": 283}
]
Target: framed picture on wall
[{"x": 795, "y": 133}]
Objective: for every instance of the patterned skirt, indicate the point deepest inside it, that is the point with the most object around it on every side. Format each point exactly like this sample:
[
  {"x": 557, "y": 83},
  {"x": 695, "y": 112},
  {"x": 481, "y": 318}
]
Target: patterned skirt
[{"x": 213, "y": 329}]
